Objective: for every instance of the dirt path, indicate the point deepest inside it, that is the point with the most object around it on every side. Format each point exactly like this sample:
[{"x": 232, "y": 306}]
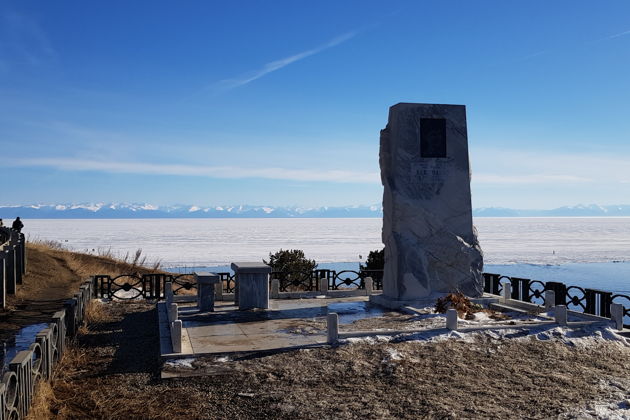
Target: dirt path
[
  {"x": 113, "y": 373},
  {"x": 53, "y": 275}
]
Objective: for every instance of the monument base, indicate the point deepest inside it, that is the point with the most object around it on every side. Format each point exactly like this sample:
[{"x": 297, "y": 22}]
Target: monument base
[{"x": 392, "y": 303}]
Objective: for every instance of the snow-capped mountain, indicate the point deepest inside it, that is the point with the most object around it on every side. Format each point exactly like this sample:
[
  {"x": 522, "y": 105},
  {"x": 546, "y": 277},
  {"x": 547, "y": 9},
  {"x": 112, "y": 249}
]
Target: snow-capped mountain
[
  {"x": 133, "y": 210},
  {"x": 581, "y": 210},
  {"x": 137, "y": 211}
]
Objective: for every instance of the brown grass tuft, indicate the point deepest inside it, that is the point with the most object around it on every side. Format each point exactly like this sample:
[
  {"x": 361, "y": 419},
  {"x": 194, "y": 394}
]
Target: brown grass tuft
[{"x": 43, "y": 399}]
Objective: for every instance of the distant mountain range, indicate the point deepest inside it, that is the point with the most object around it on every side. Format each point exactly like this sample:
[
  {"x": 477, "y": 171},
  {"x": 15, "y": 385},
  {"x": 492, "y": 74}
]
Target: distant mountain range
[
  {"x": 137, "y": 211},
  {"x": 591, "y": 210}
]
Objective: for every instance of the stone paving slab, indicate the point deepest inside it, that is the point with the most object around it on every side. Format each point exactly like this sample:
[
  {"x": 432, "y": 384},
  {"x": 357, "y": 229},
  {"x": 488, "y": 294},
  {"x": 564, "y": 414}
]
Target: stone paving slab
[{"x": 228, "y": 330}]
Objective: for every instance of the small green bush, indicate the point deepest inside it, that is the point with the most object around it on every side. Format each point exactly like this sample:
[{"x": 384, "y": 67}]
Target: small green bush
[
  {"x": 375, "y": 260},
  {"x": 290, "y": 260}
]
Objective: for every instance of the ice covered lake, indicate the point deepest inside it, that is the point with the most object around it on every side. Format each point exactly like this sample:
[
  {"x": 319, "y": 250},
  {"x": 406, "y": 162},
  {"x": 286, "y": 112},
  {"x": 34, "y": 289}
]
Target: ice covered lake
[{"x": 583, "y": 251}]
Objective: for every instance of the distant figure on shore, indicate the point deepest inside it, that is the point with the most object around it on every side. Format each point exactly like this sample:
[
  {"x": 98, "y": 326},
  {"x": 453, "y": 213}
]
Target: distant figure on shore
[
  {"x": 1, "y": 223},
  {"x": 17, "y": 225}
]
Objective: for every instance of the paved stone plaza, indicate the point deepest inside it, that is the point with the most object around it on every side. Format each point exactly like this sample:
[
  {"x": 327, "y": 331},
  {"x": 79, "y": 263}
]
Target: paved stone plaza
[{"x": 288, "y": 324}]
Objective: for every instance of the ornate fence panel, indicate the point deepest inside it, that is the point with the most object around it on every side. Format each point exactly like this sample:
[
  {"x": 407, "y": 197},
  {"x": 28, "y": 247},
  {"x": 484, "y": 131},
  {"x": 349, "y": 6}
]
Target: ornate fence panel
[
  {"x": 559, "y": 289},
  {"x": 491, "y": 283},
  {"x": 183, "y": 282},
  {"x": 347, "y": 279},
  {"x": 598, "y": 302},
  {"x": 590, "y": 301},
  {"x": 12, "y": 262},
  {"x": 147, "y": 286},
  {"x": 625, "y": 301},
  {"x": 9, "y": 392},
  {"x": 575, "y": 298},
  {"x": 228, "y": 282},
  {"x": 38, "y": 361},
  {"x": 295, "y": 280}
]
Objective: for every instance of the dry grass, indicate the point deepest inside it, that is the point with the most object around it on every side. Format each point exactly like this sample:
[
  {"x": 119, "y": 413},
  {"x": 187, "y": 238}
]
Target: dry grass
[
  {"x": 53, "y": 275},
  {"x": 95, "y": 314},
  {"x": 113, "y": 375},
  {"x": 43, "y": 399},
  {"x": 54, "y": 272}
]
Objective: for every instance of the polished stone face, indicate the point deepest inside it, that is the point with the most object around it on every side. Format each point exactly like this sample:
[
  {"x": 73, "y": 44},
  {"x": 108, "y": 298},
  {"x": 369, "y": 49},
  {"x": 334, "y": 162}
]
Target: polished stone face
[{"x": 430, "y": 244}]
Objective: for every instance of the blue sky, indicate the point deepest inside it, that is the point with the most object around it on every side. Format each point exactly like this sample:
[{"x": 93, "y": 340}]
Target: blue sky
[{"x": 281, "y": 103}]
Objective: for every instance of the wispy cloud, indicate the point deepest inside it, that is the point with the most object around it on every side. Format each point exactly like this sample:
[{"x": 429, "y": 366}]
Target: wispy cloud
[
  {"x": 608, "y": 38},
  {"x": 521, "y": 167},
  {"x": 619, "y": 34},
  {"x": 232, "y": 172},
  {"x": 23, "y": 38},
  {"x": 485, "y": 178},
  {"x": 272, "y": 66}
]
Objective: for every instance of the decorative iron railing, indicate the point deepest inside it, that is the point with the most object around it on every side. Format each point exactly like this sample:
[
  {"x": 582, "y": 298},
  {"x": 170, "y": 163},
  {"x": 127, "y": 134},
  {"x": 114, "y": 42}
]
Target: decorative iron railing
[
  {"x": 12, "y": 262},
  {"x": 17, "y": 384},
  {"x": 228, "y": 281},
  {"x": 151, "y": 286},
  {"x": 580, "y": 299},
  {"x": 147, "y": 286},
  {"x": 337, "y": 280}
]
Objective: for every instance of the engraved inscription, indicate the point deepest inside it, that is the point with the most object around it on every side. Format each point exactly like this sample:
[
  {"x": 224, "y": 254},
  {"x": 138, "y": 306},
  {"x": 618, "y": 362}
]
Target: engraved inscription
[{"x": 428, "y": 172}]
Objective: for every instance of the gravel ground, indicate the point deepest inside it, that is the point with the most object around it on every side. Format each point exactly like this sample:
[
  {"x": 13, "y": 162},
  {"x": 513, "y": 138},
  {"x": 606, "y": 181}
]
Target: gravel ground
[{"x": 113, "y": 372}]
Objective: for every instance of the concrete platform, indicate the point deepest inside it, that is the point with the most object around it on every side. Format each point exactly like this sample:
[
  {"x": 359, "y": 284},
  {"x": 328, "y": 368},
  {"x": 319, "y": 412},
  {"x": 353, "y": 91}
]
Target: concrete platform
[{"x": 279, "y": 328}]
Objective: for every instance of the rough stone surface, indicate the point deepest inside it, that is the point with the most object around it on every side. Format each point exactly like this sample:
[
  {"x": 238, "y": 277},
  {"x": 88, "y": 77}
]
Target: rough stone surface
[
  {"x": 252, "y": 281},
  {"x": 206, "y": 285},
  {"x": 431, "y": 245}
]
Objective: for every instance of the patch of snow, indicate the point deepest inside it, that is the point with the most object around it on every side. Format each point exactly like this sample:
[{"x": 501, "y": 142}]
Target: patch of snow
[
  {"x": 367, "y": 340},
  {"x": 615, "y": 407},
  {"x": 392, "y": 355},
  {"x": 431, "y": 329},
  {"x": 180, "y": 363}
]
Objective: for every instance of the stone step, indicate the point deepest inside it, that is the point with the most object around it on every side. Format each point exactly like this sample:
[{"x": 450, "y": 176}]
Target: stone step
[{"x": 501, "y": 307}]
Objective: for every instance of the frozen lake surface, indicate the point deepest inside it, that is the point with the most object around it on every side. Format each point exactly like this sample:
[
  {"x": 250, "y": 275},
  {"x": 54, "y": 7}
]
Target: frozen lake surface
[
  {"x": 185, "y": 242},
  {"x": 543, "y": 248}
]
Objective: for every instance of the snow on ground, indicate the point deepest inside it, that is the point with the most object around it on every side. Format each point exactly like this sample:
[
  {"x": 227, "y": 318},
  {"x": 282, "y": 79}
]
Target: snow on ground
[
  {"x": 431, "y": 328},
  {"x": 615, "y": 407}
]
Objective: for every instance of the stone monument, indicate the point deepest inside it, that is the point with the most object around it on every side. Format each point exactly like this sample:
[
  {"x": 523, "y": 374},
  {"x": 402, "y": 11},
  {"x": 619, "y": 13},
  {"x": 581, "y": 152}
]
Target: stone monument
[
  {"x": 252, "y": 285},
  {"x": 206, "y": 285},
  {"x": 431, "y": 246}
]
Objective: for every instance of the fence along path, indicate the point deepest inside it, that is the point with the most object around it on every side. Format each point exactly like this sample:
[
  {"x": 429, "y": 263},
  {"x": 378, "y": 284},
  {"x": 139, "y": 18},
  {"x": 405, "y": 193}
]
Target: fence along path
[
  {"x": 151, "y": 286},
  {"x": 12, "y": 262},
  {"x": 17, "y": 385}
]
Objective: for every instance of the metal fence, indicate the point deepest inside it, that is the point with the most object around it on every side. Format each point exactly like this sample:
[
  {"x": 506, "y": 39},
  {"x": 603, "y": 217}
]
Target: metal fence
[
  {"x": 12, "y": 262},
  {"x": 580, "y": 299},
  {"x": 17, "y": 385},
  {"x": 151, "y": 286}
]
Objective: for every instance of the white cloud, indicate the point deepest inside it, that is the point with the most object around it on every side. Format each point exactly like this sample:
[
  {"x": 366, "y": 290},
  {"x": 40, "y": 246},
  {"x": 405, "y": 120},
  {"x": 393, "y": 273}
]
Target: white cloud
[
  {"x": 233, "y": 172},
  {"x": 278, "y": 64},
  {"x": 484, "y": 178},
  {"x": 491, "y": 166},
  {"x": 619, "y": 34}
]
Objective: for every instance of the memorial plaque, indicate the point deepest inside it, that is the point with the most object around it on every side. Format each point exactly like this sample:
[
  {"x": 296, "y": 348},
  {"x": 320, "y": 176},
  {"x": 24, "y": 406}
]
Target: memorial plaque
[{"x": 433, "y": 137}]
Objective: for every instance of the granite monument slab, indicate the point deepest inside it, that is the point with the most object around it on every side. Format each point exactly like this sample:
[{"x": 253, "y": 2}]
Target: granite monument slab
[{"x": 431, "y": 246}]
